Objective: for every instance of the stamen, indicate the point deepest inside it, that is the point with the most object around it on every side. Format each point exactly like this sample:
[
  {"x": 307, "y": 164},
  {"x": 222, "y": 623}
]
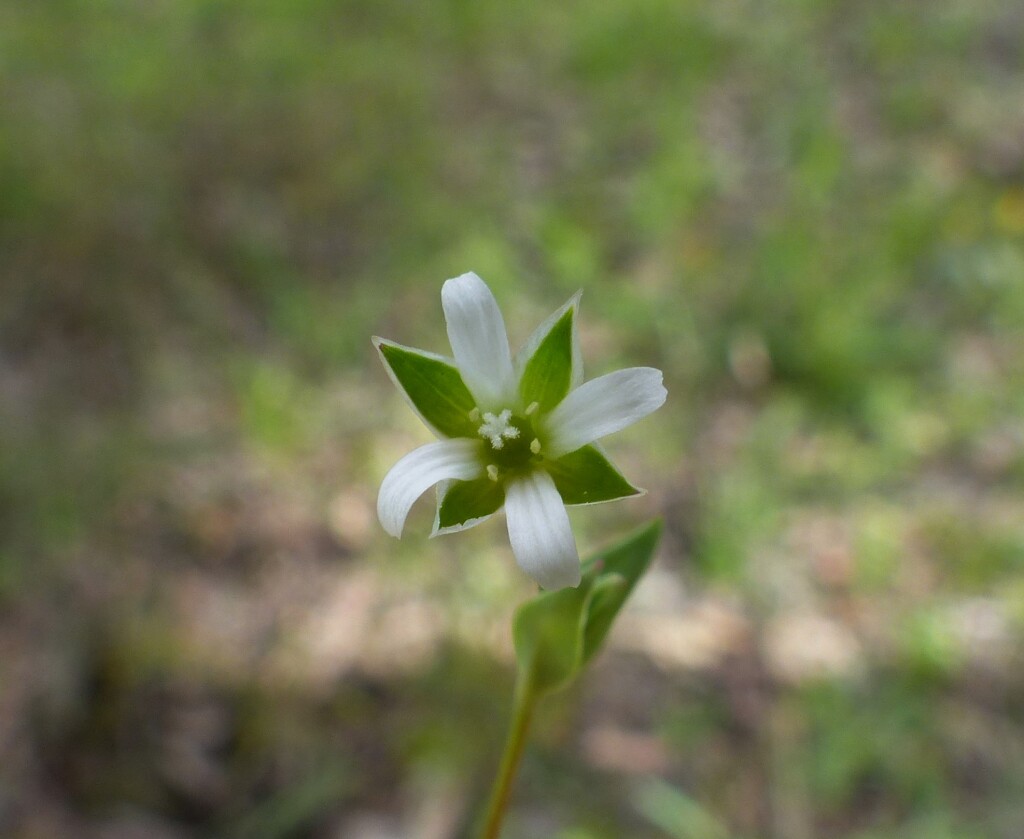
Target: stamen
[
  {"x": 535, "y": 446},
  {"x": 492, "y": 472}
]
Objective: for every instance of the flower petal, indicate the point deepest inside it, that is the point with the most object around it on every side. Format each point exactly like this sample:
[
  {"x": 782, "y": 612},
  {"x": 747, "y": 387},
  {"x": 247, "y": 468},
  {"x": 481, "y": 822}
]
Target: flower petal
[
  {"x": 603, "y": 406},
  {"x": 418, "y": 471},
  {"x": 479, "y": 341},
  {"x": 432, "y": 386},
  {"x": 465, "y": 504},
  {"x": 539, "y": 530},
  {"x": 550, "y": 364}
]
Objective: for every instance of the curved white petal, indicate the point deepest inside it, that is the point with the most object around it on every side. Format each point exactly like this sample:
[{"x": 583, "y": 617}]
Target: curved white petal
[
  {"x": 418, "y": 471},
  {"x": 603, "y": 406},
  {"x": 539, "y": 530},
  {"x": 479, "y": 341}
]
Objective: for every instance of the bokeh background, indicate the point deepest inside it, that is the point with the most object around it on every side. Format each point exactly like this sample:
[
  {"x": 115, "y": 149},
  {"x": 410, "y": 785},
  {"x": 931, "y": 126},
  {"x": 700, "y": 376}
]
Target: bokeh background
[{"x": 810, "y": 214}]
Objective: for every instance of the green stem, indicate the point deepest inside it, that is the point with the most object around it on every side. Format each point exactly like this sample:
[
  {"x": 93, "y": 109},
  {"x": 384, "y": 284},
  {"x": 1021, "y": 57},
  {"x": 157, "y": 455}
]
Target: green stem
[{"x": 522, "y": 711}]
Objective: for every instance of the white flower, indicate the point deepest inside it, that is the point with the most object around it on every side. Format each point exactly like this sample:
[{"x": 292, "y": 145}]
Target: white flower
[{"x": 514, "y": 431}]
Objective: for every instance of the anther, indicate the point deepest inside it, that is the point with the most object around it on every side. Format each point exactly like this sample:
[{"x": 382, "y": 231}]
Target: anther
[
  {"x": 532, "y": 408},
  {"x": 535, "y": 446},
  {"x": 474, "y": 415},
  {"x": 492, "y": 472}
]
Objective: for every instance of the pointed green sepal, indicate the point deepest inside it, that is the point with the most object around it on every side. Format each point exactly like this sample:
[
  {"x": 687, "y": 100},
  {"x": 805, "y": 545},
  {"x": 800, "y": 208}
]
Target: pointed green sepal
[
  {"x": 557, "y": 633},
  {"x": 586, "y": 476},
  {"x": 433, "y": 386},
  {"x": 465, "y": 503},
  {"x": 548, "y": 372}
]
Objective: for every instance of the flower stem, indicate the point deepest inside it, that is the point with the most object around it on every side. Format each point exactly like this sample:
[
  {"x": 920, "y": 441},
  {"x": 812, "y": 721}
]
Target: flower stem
[{"x": 522, "y": 711}]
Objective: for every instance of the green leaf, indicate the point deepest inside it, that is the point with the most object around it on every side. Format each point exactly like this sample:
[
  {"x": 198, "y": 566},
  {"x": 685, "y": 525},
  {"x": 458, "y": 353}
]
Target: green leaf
[
  {"x": 548, "y": 373},
  {"x": 586, "y": 476},
  {"x": 296, "y": 805},
  {"x": 546, "y": 635},
  {"x": 557, "y": 633},
  {"x": 676, "y": 813},
  {"x": 468, "y": 500},
  {"x": 626, "y": 562},
  {"x": 433, "y": 386}
]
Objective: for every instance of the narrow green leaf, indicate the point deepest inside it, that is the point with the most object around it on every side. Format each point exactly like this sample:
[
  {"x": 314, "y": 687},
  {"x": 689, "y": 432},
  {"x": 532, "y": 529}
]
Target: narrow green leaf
[
  {"x": 546, "y": 633},
  {"x": 433, "y": 386},
  {"x": 548, "y": 373},
  {"x": 676, "y": 813},
  {"x": 467, "y": 500},
  {"x": 557, "y": 633},
  {"x": 606, "y": 598},
  {"x": 586, "y": 476},
  {"x": 627, "y": 562},
  {"x": 295, "y": 807}
]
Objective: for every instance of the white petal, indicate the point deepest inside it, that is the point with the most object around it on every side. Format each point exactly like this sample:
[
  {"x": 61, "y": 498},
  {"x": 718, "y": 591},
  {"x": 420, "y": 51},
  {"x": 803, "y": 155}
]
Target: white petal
[
  {"x": 418, "y": 471},
  {"x": 541, "y": 332},
  {"x": 479, "y": 342},
  {"x": 539, "y": 530},
  {"x": 603, "y": 406}
]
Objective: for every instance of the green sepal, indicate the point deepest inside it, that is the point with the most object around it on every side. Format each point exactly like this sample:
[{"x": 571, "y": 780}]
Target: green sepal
[
  {"x": 467, "y": 501},
  {"x": 586, "y": 476},
  {"x": 547, "y": 376},
  {"x": 557, "y": 633},
  {"x": 433, "y": 386}
]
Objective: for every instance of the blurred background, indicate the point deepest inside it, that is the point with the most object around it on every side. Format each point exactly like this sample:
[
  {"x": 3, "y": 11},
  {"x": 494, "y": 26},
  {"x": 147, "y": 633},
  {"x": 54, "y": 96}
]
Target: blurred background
[{"x": 810, "y": 214}]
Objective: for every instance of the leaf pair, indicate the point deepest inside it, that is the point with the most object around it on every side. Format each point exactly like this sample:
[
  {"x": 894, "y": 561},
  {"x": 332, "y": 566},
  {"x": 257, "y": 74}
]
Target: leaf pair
[{"x": 557, "y": 633}]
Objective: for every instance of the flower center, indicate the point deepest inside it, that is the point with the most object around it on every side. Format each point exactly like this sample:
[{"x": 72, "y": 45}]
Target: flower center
[
  {"x": 498, "y": 429},
  {"x": 512, "y": 443}
]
